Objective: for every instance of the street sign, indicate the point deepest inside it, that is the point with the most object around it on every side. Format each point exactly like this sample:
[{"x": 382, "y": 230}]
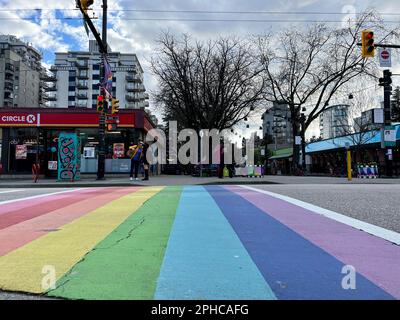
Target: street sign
[
  {"x": 378, "y": 115},
  {"x": 390, "y": 136},
  {"x": 298, "y": 140},
  {"x": 385, "y": 58}
]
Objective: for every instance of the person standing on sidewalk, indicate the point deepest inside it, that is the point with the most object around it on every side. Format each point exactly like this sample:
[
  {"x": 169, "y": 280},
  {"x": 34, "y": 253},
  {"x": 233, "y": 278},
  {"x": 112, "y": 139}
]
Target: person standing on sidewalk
[{"x": 135, "y": 152}]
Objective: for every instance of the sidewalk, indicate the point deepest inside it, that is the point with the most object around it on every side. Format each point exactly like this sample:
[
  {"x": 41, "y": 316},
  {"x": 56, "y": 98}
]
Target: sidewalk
[{"x": 168, "y": 180}]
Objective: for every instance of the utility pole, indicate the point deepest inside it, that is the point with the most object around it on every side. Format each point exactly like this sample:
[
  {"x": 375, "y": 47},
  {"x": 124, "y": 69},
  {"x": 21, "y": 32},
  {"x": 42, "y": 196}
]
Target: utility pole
[
  {"x": 102, "y": 121},
  {"x": 83, "y": 6}
]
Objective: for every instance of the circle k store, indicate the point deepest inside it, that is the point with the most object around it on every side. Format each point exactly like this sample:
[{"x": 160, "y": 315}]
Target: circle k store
[{"x": 29, "y": 136}]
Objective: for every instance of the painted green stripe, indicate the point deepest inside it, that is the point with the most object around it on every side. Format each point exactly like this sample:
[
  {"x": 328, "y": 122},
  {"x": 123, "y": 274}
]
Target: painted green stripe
[{"x": 127, "y": 263}]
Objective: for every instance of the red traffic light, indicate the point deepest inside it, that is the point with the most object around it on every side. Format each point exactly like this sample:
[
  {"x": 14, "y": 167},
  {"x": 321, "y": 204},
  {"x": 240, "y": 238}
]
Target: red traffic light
[
  {"x": 100, "y": 98},
  {"x": 370, "y": 35}
]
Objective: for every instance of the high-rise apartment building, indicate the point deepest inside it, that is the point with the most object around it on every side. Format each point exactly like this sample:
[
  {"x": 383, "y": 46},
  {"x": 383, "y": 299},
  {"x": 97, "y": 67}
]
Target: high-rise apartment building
[
  {"x": 78, "y": 79},
  {"x": 277, "y": 125},
  {"x": 334, "y": 121},
  {"x": 20, "y": 73}
]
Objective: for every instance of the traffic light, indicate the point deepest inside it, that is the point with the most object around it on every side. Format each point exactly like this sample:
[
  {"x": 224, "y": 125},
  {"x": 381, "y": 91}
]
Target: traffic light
[
  {"x": 84, "y": 4},
  {"x": 368, "y": 44},
  {"x": 114, "y": 106},
  {"x": 100, "y": 104}
]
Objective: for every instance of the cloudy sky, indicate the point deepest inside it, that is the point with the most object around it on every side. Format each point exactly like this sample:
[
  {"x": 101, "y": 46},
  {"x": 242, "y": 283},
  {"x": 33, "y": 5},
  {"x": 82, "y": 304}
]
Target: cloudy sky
[{"x": 56, "y": 25}]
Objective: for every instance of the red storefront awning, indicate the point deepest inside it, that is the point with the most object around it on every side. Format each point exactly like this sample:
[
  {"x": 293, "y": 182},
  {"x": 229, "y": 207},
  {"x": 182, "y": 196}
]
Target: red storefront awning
[{"x": 59, "y": 118}]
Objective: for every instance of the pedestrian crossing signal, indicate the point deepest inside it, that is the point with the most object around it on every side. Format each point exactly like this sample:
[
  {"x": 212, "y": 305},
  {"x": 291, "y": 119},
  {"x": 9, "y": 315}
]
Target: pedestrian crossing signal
[
  {"x": 100, "y": 104},
  {"x": 114, "y": 106},
  {"x": 112, "y": 127},
  {"x": 368, "y": 44}
]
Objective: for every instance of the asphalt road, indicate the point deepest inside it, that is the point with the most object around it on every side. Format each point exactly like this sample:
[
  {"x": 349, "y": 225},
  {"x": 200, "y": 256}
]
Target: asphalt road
[{"x": 372, "y": 203}]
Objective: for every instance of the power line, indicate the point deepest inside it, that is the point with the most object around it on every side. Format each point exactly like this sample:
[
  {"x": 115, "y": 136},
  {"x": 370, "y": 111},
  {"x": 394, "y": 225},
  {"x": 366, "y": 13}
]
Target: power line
[
  {"x": 201, "y": 11},
  {"x": 191, "y": 20}
]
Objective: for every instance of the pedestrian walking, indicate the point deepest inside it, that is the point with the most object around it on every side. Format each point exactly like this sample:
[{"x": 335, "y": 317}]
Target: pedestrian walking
[{"x": 135, "y": 153}]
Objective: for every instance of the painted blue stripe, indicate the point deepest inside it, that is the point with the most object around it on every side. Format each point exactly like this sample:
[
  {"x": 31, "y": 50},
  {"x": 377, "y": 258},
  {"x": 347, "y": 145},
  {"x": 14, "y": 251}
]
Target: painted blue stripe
[
  {"x": 204, "y": 257},
  {"x": 294, "y": 267}
]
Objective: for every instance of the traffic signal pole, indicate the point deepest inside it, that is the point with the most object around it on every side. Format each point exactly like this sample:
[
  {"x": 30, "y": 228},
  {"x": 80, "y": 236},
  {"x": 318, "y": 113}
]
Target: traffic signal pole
[
  {"x": 387, "y": 92},
  {"x": 101, "y": 163},
  {"x": 102, "y": 43}
]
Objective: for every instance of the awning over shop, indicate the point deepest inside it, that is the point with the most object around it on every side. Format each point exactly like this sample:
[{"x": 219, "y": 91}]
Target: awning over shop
[
  {"x": 282, "y": 154},
  {"x": 366, "y": 138}
]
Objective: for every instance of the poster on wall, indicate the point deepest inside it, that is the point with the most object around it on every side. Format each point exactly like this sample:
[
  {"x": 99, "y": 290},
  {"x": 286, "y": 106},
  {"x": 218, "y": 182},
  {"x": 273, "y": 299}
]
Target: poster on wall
[
  {"x": 52, "y": 165},
  {"x": 119, "y": 150},
  {"x": 89, "y": 152},
  {"x": 69, "y": 164},
  {"x": 21, "y": 152}
]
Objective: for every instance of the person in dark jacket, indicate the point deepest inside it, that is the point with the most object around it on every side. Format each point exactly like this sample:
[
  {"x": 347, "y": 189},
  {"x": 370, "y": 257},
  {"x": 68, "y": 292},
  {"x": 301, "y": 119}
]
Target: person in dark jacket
[{"x": 135, "y": 153}]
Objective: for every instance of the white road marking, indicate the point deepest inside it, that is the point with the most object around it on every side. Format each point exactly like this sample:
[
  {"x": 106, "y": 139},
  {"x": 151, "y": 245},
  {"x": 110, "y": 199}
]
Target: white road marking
[
  {"x": 380, "y": 232},
  {"x": 39, "y": 196},
  {"x": 10, "y": 191}
]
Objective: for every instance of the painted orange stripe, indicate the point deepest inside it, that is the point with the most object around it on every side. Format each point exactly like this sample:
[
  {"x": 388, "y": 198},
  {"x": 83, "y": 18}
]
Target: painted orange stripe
[{"x": 20, "y": 234}]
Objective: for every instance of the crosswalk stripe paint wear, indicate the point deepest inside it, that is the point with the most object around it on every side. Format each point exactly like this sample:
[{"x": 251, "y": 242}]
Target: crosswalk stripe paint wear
[
  {"x": 205, "y": 259},
  {"x": 126, "y": 264},
  {"x": 21, "y": 270}
]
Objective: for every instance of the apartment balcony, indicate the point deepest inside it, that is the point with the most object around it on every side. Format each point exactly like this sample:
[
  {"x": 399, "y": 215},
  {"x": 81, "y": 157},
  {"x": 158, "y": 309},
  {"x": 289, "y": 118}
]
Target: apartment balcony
[
  {"x": 8, "y": 87},
  {"x": 9, "y": 67},
  {"x": 48, "y": 88},
  {"x": 135, "y": 88},
  {"x": 82, "y": 85},
  {"x": 131, "y": 98},
  {"x": 134, "y": 78},
  {"x": 48, "y": 97},
  {"x": 82, "y": 96},
  {"x": 48, "y": 77},
  {"x": 82, "y": 65},
  {"x": 82, "y": 76},
  {"x": 9, "y": 80}
]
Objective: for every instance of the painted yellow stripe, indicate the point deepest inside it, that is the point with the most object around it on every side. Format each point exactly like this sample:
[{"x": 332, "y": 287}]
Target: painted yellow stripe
[{"x": 22, "y": 269}]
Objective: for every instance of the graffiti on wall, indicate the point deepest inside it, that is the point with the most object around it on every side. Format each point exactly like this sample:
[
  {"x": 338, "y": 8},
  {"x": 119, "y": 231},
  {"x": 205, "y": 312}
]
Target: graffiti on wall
[{"x": 68, "y": 157}]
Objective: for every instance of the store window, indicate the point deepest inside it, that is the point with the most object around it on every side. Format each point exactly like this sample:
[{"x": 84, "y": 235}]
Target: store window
[{"x": 26, "y": 147}]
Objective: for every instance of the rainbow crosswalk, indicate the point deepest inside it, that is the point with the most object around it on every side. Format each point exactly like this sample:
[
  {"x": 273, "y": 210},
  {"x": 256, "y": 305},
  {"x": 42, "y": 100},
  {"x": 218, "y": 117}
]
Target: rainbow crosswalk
[{"x": 192, "y": 242}]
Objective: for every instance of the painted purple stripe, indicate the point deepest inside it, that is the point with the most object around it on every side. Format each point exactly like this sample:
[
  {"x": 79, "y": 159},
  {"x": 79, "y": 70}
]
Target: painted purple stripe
[{"x": 376, "y": 259}]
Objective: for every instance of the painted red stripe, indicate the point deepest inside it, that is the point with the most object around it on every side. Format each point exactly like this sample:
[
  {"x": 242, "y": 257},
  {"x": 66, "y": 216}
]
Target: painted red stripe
[{"x": 45, "y": 206}]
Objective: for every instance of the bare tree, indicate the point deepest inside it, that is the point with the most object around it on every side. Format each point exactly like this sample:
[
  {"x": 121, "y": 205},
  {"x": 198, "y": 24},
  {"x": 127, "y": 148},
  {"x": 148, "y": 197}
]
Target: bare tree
[
  {"x": 206, "y": 85},
  {"x": 308, "y": 67}
]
